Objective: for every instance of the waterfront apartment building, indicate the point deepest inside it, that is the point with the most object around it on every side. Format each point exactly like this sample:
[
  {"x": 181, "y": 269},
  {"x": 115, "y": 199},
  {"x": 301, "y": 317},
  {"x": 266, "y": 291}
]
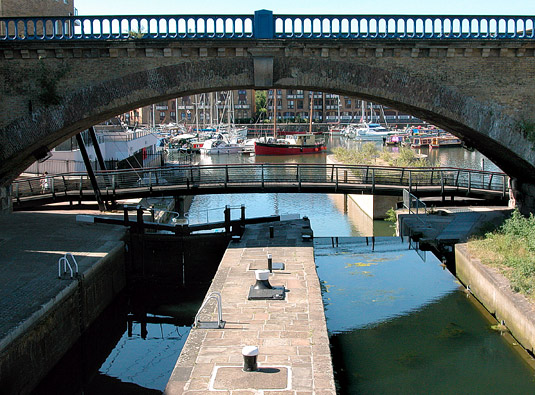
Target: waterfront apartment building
[{"x": 238, "y": 106}]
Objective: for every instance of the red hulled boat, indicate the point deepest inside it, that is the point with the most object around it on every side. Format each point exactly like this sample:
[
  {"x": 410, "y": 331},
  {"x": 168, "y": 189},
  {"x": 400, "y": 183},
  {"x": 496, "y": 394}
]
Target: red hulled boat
[
  {"x": 291, "y": 145},
  {"x": 296, "y": 144}
]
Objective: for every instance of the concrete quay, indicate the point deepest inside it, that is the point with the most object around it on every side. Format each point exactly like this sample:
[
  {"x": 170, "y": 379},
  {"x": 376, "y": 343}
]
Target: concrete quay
[
  {"x": 291, "y": 334},
  {"x": 41, "y": 315},
  {"x": 449, "y": 225}
]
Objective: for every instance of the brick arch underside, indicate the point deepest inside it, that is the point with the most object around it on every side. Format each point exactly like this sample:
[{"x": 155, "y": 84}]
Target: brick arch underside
[{"x": 481, "y": 125}]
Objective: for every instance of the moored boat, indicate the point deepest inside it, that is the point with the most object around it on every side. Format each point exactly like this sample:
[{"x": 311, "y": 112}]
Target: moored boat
[
  {"x": 220, "y": 146},
  {"x": 290, "y": 145}
]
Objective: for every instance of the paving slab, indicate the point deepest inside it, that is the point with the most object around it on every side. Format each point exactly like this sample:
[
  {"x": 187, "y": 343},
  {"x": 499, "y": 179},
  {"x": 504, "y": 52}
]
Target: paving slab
[{"x": 291, "y": 334}]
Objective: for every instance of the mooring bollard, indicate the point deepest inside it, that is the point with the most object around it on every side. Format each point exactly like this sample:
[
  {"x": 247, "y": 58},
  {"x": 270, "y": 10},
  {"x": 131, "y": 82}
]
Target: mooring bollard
[
  {"x": 262, "y": 279},
  {"x": 270, "y": 263},
  {"x": 250, "y": 354}
]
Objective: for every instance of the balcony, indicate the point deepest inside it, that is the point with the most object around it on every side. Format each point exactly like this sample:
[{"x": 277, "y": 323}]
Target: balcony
[{"x": 162, "y": 108}]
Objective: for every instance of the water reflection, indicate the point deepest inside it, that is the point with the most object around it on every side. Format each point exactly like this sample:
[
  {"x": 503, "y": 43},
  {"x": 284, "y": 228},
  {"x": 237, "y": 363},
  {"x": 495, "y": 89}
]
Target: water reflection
[
  {"x": 401, "y": 325},
  {"x": 146, "y": 355}
]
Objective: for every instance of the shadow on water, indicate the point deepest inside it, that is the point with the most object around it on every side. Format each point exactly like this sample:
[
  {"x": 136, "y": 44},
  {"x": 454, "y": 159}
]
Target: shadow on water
[
  {"x": 132, "y": 347},
  {"x": 401, "y": 325}
]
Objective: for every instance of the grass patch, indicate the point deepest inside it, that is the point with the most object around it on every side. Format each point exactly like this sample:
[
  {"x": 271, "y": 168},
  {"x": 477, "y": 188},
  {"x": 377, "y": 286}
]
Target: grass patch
[
  {"x": 511, "y": 249},
  {"x": 369, "y": 154}
]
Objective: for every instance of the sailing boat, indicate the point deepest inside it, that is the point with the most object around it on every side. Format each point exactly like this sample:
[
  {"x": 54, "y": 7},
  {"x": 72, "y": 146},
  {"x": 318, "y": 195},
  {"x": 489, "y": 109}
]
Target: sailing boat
[
  {"x": 370, "y": 131},
  {"x": 289, "y": 145}
]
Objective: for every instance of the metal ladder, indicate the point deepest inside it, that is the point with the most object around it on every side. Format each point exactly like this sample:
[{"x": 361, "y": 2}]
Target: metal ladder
[
  {"x": 220, "y": 324},
  {"x": 65, "y": 260}
]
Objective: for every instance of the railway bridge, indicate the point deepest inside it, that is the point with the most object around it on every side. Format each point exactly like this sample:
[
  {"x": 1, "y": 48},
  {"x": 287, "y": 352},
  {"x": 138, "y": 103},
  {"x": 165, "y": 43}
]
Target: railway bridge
[{"x": 471, "y": 75}]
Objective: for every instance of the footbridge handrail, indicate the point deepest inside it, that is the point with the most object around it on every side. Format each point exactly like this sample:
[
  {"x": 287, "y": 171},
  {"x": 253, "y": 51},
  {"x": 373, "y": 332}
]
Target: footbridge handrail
[
  {"x": 331, "y": 177},
  {"x": 264, "y": 24}
]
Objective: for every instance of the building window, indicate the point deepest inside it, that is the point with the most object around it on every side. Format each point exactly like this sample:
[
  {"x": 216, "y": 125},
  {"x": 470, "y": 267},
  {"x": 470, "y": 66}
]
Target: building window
[
  {"x": 300, "y": 104},
  {"x": 66, "y": 1},
  {"x": 291, "y": 104}
]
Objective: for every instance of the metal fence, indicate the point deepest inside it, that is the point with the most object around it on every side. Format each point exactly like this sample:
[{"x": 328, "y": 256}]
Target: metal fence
[{"x": 264, "y": 25}]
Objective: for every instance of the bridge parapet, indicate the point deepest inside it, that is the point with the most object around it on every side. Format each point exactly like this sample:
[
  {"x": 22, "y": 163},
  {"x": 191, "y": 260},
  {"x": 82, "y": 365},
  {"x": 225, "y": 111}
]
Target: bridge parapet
[{"x": 265, "y": 25}]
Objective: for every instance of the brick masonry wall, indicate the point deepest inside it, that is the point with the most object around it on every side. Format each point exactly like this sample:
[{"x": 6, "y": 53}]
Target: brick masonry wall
[
  {"x": 36, "y": 7},
  {"x": 6, "y": 204},
  {"x": 31, "y": 355},
  {"x": 482, "y": 91}
]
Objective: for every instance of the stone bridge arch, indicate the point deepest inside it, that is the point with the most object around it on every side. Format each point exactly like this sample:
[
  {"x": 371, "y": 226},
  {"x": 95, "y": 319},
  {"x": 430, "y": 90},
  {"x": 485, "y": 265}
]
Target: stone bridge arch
[{"x": 481, "y": 92}]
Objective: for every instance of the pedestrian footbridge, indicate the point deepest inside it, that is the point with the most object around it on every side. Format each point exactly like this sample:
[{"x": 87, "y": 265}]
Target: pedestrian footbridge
[{"x": 108, "y": 186}]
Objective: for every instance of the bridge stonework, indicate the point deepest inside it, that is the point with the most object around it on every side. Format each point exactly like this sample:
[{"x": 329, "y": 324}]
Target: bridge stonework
[{"x": 481, "y": 90}]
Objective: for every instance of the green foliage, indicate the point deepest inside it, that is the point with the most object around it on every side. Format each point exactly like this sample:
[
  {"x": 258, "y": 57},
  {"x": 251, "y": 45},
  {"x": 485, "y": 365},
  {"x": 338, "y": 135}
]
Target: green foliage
[
  {"x": 512, "y": 248},
  {"x": 391, "y": 215},
  {"x": 527, "y": 128},
  {"x": 366, "y": 155},
  {"x": 408, "y": 158},
  {"x": 136, "y": 34},
  {"x": 260, "y": 100},
  {"x": 369, "y": 152}
]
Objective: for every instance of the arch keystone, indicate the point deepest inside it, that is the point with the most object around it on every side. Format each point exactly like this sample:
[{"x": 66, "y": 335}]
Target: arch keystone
[{"x": 263, "y": 71}]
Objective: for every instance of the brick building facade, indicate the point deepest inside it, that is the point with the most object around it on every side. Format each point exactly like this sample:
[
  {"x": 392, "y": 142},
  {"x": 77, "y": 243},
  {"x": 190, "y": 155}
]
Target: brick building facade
[
  {"x": 11, "y": 8},
  {"x": 292, "y": 106}
]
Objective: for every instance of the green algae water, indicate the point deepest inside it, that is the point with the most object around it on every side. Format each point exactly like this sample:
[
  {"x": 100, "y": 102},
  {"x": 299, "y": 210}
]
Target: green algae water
[{"x": 399, "y": 324}]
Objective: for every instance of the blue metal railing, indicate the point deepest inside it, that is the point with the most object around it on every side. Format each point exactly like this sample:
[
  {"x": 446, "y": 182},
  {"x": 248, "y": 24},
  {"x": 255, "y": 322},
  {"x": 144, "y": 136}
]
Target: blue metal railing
[{"x": 264, "y": 25}]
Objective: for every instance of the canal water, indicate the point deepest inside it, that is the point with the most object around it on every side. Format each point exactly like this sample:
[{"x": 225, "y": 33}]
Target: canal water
[
  {"x": 398, "y": 324},
  {"x": 137, "y": 356}
]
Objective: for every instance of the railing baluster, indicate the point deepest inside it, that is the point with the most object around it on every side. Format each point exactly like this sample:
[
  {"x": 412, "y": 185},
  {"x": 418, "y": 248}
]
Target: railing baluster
[
  {"x": 290, "y": 26},
  {"x": 469, "y": 181}
]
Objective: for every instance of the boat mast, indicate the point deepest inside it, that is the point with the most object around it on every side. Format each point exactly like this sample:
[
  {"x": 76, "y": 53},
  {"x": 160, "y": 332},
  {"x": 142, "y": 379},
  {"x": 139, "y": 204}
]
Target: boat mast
[
  {"x": 310, "y": 112},
  {"x": 197, "y": 114},
  {"x": 383, "y": 114},
  {"x": 274, "y": 113}
]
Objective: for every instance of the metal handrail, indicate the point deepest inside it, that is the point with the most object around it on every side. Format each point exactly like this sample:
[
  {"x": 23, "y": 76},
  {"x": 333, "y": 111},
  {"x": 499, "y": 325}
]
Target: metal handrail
[
  {"x": 65, "y": 260},
  {"x": 213, "y": 295},
  {"x": 264, "y": 24},
  {"x": 262, "y": 175}
]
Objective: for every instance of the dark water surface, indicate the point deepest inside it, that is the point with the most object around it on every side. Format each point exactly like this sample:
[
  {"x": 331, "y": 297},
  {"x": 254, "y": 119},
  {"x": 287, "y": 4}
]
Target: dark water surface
[{"x": 400, "y": 325}]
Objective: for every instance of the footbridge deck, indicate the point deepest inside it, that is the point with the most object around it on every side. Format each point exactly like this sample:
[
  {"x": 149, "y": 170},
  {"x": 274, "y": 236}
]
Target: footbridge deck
[{"x": 260, "y": 178}]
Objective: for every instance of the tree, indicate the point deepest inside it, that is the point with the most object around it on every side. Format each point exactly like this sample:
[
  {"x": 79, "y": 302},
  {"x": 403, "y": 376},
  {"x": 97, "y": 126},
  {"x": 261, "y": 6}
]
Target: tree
[{"x": 260, "y": 105}]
